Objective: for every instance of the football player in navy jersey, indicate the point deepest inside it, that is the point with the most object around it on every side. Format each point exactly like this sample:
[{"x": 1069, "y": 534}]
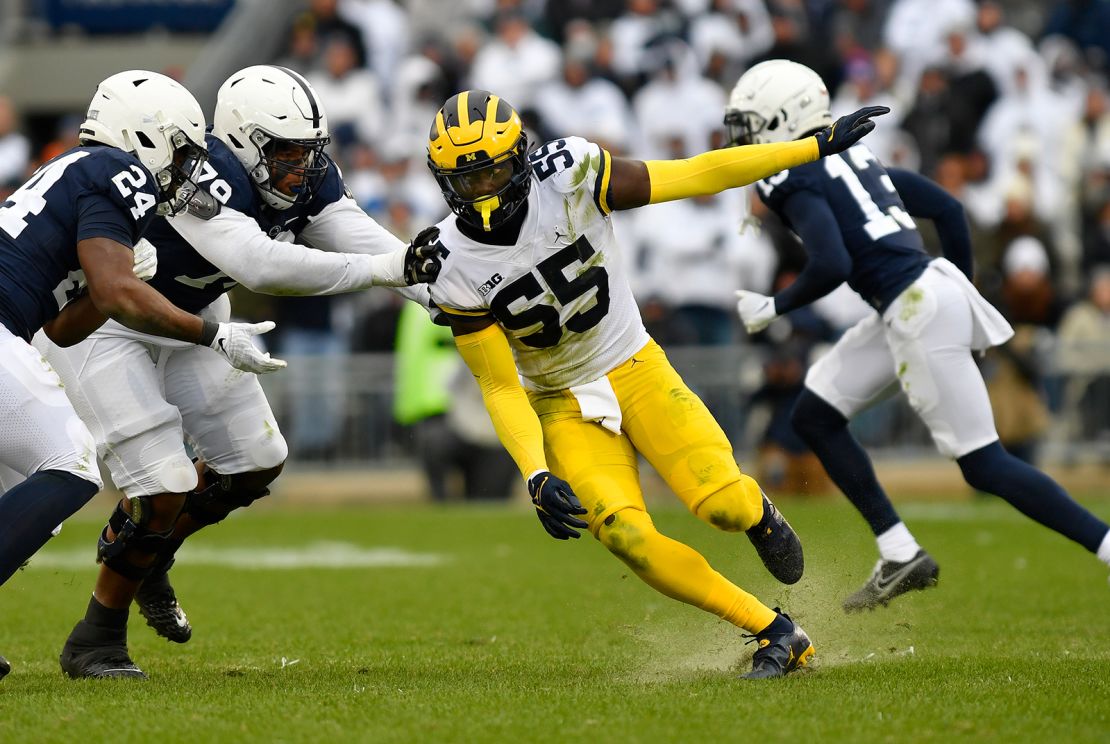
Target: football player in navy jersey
[
  {"x": 853, "y": 217},
  {"x": 66, "y": 239},
  {"x": 266, "y": 183}
]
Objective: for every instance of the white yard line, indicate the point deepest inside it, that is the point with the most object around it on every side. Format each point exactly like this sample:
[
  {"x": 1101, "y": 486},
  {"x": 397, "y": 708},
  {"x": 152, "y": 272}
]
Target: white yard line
[{"x": 312, "y": 555}]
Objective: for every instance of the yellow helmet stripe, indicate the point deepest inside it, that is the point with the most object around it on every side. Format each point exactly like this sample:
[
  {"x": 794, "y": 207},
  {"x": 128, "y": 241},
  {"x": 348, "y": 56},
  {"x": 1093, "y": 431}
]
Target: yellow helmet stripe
[{"x": 464, "y": 110}]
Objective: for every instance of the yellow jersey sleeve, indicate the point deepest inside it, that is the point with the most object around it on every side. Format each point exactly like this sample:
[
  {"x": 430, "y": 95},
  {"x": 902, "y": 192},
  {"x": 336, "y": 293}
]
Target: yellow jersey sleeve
[
  {"x": 717, "y": 170},
  {"x": 487, "y": 354}
]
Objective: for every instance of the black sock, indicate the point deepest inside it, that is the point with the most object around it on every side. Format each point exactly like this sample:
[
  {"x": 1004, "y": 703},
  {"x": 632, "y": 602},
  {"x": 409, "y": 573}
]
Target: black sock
[
  {"x": 30, "y": 512},
  {"x": 825, "y": 430},
  {"x": 105, "y": 617},
  {"x": 994, "y": 470},
  {"x": 778, "y": 626}
]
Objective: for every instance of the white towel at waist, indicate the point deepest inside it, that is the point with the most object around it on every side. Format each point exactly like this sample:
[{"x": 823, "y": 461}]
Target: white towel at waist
[
  {"x": 989, "y": 328},
  {"x": 598, "y": 402}
]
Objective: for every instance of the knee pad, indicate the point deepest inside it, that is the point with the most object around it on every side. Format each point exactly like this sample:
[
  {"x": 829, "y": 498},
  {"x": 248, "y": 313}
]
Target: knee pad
[
  {"x": 626, "y": 534},
  {"x": 132, "y": 532},
  {"x": 222, "y": 495},
  {"x": 734, "y": 508}
]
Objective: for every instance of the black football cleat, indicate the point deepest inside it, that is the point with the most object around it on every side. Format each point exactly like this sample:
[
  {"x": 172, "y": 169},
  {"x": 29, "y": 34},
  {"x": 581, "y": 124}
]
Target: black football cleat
[
  {"x": 780, "y": 653},
  {"x": 5, "y": 667},
  {"x": 777, "y": 544},
  {"x": 158, "y": 604},
  {"x": 890, "y": 579},
  {"x": 92, "y": 652}
]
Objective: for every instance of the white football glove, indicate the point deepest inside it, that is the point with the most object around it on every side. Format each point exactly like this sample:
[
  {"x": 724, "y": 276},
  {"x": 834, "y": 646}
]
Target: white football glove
[
  {"x": 146, "y": 260},
  {"x": 233, "y": 340},
  {"x": 756, "y": 310}
]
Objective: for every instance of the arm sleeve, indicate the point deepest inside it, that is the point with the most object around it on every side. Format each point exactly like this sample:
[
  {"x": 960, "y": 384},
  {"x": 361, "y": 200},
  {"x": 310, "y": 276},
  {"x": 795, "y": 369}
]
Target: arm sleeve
[
  {"x": 343, "y": 227},
  {"x": 235, "y": 244},
  {"x": 717, "y": 170},
  {"x": 487, "y": 354},
  {"x": 828, "y": 264},
  {"x": 924, "y": 198}
]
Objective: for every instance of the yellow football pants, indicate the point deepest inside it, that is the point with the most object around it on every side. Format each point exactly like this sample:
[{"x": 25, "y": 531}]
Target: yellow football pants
[{"x": 666, "y": 423}]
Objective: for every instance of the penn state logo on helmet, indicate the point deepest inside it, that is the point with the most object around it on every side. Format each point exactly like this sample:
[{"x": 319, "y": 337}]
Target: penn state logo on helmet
[{"x": 477, "y": 151}]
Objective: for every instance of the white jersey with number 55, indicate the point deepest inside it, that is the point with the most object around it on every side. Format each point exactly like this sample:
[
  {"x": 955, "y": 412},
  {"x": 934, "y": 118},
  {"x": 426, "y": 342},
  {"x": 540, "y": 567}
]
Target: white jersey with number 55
[{"x": 560, "y": 291}]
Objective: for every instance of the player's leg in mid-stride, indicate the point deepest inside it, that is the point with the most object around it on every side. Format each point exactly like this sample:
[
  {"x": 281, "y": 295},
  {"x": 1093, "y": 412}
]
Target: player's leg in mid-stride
[
  {"x": 856, "y": 373},
  {"x": 603, "y": 467}
]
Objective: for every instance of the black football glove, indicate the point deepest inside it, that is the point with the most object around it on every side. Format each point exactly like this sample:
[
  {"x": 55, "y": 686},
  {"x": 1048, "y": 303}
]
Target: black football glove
[
  {"x": 422, "y": 259},
  {"x": 556, "y": 505},
  {"x": 848, "y": 130}
]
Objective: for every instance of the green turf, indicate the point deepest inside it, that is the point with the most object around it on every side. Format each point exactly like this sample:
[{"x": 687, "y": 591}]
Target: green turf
[{"x": 517, "y": 637}]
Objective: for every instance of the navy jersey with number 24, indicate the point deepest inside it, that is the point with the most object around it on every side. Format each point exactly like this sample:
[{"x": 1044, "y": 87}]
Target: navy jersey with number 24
[{"x": 87, "y": 192}]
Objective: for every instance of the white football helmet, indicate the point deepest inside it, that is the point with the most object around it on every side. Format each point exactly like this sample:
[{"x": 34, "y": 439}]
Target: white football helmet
[
  {"x": 274, "y": 122},
  {"x": 776, "y": 101},
  {"x": 158, "y": 120}
]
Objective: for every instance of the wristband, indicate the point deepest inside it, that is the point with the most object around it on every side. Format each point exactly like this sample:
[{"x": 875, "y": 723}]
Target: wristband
[{"x": 208, "y": 332}]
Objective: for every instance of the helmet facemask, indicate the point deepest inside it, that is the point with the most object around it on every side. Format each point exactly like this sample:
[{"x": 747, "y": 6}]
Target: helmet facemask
[
  {"x": 743, "y": 127},
  {"x": 289, "y": 171},
  {"x": 178, "y": 181},
  {"x": 486, "y": 193}
]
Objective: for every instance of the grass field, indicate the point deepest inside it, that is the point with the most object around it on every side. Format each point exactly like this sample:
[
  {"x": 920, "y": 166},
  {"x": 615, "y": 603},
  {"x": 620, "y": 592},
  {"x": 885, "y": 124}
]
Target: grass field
[{"x": 470, "y": 625}]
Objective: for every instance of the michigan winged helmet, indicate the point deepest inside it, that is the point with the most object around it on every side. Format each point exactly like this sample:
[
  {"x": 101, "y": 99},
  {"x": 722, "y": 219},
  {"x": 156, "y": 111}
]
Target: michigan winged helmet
[{"x": 477, "y": 151}]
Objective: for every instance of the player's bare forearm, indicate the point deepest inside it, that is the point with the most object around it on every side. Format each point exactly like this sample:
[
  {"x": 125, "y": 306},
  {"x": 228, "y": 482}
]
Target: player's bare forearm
[
  {"x": 634, "y": 183},
  {"x": 117, "y": 293},
  {"x": 75, "y": 322}
]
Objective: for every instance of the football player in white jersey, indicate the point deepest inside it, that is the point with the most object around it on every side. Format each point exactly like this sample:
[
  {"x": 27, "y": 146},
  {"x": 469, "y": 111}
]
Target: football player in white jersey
[
  {"x": 267, "y": 182},
  {"x": 533, "y": 287}
]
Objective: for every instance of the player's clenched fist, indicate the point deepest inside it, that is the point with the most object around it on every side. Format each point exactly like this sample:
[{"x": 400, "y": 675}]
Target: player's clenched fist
[
  {"x": 755, "y": 310},
  {"x": 422, "y": 259},
  {"x": 556, "y": 505}
]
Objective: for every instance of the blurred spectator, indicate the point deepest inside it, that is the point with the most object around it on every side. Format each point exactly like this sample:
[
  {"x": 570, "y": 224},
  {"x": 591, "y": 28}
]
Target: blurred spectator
[
  {"x": 1084, "y": 359},
  {"x": 350, "y": 94},
  {"x": 915, "y": 31},
  {"x": 15, "y": 149},
  {"x": 1014, "y": 387},
  {"x": 1002, "y": 48},
  {"x": 678, "y": 102},
  {"x": 384, "y": 28},
  {"x": 515, "y": 62},
  {"x": 441, "y": 405},
  {"x": 323, "y": 20},
  {"x": 728, "y": 37},
  {"x": 643, "y": 25},
  {"x": 857, "y": 27},
  {"x": 796, "y": 40},
  {"x": 590, "y": 107}
]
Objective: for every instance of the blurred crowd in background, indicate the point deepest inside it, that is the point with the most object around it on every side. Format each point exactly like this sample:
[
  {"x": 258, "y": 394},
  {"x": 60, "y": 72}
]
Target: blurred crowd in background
[{"x": 1005, "y": 104}]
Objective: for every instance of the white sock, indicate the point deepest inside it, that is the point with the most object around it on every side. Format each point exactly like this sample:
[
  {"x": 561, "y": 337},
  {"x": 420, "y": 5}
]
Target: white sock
[
  {"x": 1104, "y": 549},
  {"x": 897, "y": 544}
]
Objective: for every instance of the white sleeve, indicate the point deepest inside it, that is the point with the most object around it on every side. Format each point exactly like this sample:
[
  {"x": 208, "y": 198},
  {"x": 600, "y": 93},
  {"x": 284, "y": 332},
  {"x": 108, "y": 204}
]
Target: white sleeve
[
  {"x": 235, "y": 244},
  {"x": 343, "y": 226}
]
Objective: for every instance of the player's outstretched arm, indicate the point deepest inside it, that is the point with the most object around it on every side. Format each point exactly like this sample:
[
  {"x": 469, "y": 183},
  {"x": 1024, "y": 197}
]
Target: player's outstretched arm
[
  {"x": 117, "y": 293},
  {"x": 484, "y": 348},
  {"x": 634, "y": 183}
]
